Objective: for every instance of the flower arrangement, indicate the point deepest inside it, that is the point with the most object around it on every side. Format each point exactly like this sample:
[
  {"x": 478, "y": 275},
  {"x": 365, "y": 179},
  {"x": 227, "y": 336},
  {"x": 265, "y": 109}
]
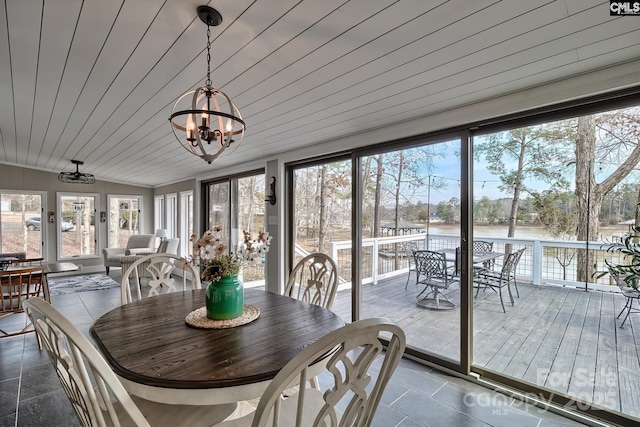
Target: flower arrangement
[{"x": 210, "y": 253}]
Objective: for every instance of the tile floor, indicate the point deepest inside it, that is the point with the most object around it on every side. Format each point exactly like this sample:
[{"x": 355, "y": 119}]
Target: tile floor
[{"x": 30, "y": 394}]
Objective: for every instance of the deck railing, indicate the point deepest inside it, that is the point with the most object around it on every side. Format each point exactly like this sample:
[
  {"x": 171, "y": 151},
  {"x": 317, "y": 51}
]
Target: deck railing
[{"x": 543, "y": 262}]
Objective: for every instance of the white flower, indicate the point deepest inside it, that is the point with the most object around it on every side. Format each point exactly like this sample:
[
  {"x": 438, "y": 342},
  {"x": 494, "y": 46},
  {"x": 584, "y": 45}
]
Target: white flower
[{"x": 210, "y": 253}]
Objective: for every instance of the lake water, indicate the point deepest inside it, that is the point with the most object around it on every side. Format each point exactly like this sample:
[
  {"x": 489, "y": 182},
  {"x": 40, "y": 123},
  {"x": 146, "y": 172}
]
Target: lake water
[{"x": 607, "y": 233}]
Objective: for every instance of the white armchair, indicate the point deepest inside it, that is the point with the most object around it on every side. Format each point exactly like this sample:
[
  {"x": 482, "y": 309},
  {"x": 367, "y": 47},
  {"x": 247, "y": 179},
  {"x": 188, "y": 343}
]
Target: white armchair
[
  {"x": 169, "y": 246},
  {"x": 137, "y": 244}
]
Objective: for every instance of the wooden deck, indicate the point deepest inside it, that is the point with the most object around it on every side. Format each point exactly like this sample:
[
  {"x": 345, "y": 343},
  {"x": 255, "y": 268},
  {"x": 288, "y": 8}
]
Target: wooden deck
[{"x": 565, "y": 339}]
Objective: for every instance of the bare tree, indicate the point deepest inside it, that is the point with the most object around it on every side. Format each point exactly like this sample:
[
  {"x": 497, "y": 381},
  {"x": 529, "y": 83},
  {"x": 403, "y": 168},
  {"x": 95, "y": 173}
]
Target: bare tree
[
  {"x": 610, "y": 136},
  {"x": 556, "y": 212},
  {"x": 519, "y": 155}
]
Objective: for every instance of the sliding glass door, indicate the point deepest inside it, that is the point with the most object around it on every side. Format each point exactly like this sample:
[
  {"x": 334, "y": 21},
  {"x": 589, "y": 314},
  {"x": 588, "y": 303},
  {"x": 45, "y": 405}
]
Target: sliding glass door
[
  {"x": 410, "y": 243},
  {"x": 564, "y": 193},
  {"x": 237, "y": 205}
]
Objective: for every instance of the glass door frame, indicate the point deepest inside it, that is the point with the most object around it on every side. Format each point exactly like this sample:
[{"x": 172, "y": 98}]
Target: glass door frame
[
  {"x": 568, "y": 110},
  {"x": 620, "y": 99},
  {"x": 464, "y": 136},
  {"x": 232, "y": 181}
]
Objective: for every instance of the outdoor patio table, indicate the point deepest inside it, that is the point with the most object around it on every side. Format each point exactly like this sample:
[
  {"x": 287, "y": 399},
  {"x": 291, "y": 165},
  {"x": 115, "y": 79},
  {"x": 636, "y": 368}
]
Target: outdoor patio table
[
  {"x": 158, "y": 357},
  {"x": 483, "y": 257},
  {"x": 478, "y": 257}
]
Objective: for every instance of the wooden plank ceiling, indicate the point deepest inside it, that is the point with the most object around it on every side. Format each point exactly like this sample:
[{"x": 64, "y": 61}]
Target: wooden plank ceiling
[{"x": 96, "y": 80}]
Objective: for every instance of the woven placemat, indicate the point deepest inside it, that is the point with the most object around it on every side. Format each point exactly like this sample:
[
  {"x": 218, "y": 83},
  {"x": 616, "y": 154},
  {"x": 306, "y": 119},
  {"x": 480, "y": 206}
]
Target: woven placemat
[{"x": 198, "y": 318}]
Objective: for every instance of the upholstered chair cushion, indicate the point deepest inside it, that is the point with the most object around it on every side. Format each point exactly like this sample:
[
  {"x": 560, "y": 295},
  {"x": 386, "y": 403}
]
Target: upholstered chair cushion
[{"x": 168, "y": 246}]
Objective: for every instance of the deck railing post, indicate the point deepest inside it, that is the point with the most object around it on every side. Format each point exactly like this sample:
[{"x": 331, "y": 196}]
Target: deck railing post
[
  {"x": 536, "y": 262},
  {"x": 374, "y": 263},
  {"x": 333, "y": 253}
]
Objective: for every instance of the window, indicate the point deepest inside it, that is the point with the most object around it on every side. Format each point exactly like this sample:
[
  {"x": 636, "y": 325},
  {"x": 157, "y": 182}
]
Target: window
[
  {"x": 21, "y": 226},
  {"x": 186, "y": 221},
  {"x": 321, "y": 221},
  {"x": 158, "y": 212},
  {"x": 77, "y": 234},
  {"x": 171, "y": 220},
  {"x": 219, "y": 211},
  {"x": 123, "y": 219},
  {"x": 411, "y": 196},
  {"x": 235, "y": 205}
]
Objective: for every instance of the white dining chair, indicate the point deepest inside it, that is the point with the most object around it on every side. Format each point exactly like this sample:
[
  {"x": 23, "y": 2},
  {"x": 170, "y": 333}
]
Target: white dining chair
[
  {"x": 314, "y": 279},
  {"x": 353, "y": 379},
  {"x": 158, "y": 276},
  {"x": 97, "y": 396}
]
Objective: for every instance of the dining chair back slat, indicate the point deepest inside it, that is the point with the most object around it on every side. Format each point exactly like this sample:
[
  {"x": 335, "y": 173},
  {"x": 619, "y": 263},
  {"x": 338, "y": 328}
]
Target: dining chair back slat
[
  {"x": 314, "y": 279},
  {"x": 157, "y": 276}
]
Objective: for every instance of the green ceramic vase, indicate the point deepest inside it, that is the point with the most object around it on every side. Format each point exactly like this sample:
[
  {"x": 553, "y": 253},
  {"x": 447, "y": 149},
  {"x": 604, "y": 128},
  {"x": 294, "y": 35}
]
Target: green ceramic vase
[{"x": 225, "y": 298}]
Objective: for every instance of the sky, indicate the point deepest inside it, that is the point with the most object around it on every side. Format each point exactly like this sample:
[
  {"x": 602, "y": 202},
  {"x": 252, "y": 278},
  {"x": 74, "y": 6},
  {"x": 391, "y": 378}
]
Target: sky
[{"x": 486, "y": 184}]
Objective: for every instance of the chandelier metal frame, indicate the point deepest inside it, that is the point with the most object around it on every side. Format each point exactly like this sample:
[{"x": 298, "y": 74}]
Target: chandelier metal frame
[{"x": 212, "y": 123}]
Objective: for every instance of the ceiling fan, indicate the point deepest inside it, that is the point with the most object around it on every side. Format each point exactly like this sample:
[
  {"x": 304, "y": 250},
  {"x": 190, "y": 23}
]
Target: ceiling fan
[{"x": 76, "y": 177}]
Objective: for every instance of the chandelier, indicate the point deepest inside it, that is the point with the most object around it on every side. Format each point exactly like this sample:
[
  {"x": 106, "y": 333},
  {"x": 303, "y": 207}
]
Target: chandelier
[
  {"x": 76, "y": 177},
  {"x": 204, "y": 120}
]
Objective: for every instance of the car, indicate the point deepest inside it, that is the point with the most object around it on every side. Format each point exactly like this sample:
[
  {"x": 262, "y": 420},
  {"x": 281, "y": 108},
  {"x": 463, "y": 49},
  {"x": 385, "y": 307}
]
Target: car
[
  {"x": 66, "y": 226},
  {"x": 34, "y": 223}
]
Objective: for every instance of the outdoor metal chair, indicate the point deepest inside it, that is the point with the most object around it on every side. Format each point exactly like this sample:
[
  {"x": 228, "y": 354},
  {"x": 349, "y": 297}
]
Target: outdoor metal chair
[
  {"x": 432, "y": 272},
  {"x": 455, "y": 265},
  {"x": 410, "y": 247},
  {"x": 630, "y": 294},
  {"x": 483, "y": 247},
  {"x": 487, "y": 278}
]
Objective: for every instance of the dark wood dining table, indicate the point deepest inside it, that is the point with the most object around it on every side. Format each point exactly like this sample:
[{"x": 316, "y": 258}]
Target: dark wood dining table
[{"x": 159, "y": 357}]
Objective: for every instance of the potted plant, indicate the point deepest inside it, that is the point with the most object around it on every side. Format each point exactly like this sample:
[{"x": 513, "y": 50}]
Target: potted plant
[
  {"x": 219, "y": 269},
  {"x": 628, "y": 273}
]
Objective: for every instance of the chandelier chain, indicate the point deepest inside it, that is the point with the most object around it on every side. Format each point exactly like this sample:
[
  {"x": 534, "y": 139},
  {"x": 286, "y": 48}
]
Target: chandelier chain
[{"x": 208, "y": 82}]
